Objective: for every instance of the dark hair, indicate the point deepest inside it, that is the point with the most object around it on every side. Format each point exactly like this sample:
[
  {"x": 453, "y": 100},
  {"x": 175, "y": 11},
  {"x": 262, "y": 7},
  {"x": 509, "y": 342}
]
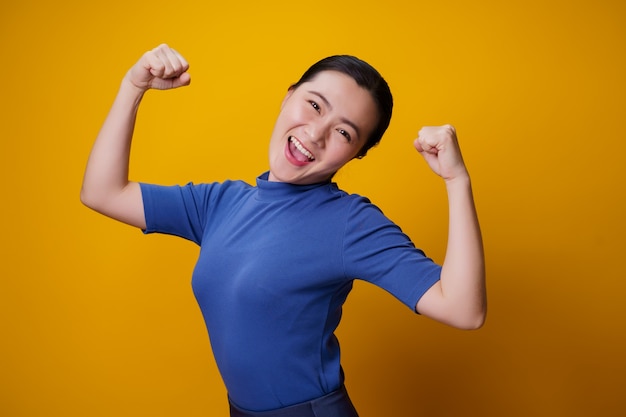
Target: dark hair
[{"x": 365, "y": 76}]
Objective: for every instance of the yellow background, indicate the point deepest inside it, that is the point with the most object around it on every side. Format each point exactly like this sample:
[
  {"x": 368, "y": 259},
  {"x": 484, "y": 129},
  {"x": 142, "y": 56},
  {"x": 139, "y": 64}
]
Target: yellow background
[{"x": 98, "y": 320}]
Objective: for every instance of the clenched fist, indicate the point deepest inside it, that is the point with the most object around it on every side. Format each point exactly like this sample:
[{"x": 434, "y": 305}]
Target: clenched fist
[
  {"x": 440, "y": 148},
  {"x": 162, "y": 68}
]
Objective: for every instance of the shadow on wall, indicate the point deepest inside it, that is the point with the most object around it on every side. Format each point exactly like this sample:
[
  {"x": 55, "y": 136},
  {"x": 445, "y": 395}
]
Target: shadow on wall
[{"x": 540, "y": 353}]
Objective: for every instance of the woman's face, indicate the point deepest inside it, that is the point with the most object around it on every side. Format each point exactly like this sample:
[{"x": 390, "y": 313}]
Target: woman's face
[{"x": 322, "y": 125}]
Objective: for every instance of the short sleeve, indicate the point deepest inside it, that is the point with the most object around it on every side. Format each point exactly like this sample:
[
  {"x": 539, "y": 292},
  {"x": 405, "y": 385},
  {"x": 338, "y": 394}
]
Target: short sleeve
[
  {"x": 376, "y": 250},
  {"x": 177, "y": 210}
]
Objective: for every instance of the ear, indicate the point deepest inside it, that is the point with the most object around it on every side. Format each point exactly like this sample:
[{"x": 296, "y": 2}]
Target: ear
[{"x": 289, "y": 93}]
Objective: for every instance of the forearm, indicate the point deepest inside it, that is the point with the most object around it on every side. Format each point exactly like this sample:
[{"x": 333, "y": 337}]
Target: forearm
[
  {"x": 107, "y": 168},
  {"x": 106, "y": 187},
  {"x": 463, "y": 272}
]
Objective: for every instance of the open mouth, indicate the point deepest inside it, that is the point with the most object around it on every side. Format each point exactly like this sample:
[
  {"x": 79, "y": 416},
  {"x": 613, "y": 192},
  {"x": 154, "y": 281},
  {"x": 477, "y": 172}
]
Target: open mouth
[{"x": 298, "y": 150}]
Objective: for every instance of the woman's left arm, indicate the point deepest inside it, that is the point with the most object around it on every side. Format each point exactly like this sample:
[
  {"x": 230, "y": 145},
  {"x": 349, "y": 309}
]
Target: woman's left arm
[{"x": 459, "y": 298}]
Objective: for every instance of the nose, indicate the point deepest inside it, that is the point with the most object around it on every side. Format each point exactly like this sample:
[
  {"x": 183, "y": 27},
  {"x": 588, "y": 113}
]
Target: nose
[{"x": 317, "y": 131}]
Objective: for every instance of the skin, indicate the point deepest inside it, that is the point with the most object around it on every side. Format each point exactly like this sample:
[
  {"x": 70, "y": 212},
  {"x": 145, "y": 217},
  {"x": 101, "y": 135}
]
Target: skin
[
  {"x": 459, "y": 298},
  {"x": 321, "y": 115},
  {"x": 331, "y": 117}
]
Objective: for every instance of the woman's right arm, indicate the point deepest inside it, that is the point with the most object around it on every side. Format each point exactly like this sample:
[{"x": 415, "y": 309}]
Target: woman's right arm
[{"x": 106, "y": 187}]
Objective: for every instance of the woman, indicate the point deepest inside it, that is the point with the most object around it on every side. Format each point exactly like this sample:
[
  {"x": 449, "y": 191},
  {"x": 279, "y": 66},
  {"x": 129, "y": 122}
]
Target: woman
[{"x": 278, "y": 259}]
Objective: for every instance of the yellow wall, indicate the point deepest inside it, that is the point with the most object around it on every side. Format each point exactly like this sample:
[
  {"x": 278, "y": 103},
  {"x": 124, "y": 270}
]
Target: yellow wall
[{"x": 98, "y": 320}]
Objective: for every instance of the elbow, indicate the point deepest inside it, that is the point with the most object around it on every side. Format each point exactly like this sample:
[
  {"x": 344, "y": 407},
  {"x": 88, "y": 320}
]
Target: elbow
[
  {"x": 461, "y": 312},
  {"x": 473, "y": 321},
  {"x": 91, "y": 199},
  {"x": 83, "y": 197},
  {"x": 462, "y": 320},
  {"x": 86, "y": 198}
]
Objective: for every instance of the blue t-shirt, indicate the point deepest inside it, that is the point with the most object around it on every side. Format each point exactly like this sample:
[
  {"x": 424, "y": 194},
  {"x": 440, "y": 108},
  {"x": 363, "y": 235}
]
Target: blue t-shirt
[{"x": 276, "y": 264}]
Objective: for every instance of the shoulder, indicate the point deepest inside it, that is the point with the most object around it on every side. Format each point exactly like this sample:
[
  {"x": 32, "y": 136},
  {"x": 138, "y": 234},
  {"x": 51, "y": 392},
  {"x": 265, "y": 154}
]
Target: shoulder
[
  {"x": 359, "y": 211},
  {"x": 357, "y": 204},
  {"x": 364, "y": 218},
  {"x": 217, "y": 189},
  {"x": 346, "y": 197}
]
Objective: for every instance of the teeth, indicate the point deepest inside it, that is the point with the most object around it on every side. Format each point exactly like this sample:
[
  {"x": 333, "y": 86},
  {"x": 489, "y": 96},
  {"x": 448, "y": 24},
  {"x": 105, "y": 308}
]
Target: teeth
[{"x": 301, "y": 148}]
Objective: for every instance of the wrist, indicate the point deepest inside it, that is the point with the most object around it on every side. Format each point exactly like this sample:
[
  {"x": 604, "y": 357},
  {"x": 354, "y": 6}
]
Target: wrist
[
  {"x": 460, "y": 180},
  {"x": 129, "y": 92},
  {"x": 127, "y": 86}
]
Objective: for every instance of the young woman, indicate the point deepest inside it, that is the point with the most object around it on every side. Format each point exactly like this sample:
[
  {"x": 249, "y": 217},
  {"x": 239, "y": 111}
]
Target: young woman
[{"x": 278, "y": 259}]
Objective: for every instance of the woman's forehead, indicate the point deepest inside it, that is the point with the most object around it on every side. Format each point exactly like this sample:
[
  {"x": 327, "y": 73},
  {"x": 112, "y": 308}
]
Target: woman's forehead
[{"x": 336, "y": 87}]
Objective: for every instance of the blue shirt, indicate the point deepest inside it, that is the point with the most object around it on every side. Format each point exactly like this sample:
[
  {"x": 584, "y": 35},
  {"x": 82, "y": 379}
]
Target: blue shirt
[{"x": 276, "y": 264}]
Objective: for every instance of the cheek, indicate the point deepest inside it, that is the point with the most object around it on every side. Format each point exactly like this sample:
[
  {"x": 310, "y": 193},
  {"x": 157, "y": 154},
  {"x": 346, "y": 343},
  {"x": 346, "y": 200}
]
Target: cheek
[
  {"x": 341, "y": 153},
  {"x": 299, "y": 115},
  {"x": 299, "y": 110}
]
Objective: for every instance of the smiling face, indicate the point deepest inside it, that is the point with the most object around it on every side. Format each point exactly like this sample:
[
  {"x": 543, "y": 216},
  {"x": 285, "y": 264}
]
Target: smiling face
[{"x": 322, "y": 125}]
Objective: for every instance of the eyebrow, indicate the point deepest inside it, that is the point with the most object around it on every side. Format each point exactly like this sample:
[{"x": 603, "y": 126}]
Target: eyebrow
[{"x": 330, "y": 106}]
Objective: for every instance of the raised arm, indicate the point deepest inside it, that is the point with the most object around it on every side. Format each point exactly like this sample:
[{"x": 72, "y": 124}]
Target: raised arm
[
  {"x": 106, "y": 187},
  {"x": 459, "y": 298}
]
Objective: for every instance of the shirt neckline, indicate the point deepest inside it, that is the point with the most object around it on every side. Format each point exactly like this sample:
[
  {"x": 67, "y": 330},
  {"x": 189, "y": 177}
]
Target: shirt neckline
[{"x": 275, "y": 190}]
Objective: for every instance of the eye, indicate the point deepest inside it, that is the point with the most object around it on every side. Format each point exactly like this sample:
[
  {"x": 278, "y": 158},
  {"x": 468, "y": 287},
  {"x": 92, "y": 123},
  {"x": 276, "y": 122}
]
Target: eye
[
  {"x": 315, "y": 106},
  {"x": 345, "y": 134}
]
